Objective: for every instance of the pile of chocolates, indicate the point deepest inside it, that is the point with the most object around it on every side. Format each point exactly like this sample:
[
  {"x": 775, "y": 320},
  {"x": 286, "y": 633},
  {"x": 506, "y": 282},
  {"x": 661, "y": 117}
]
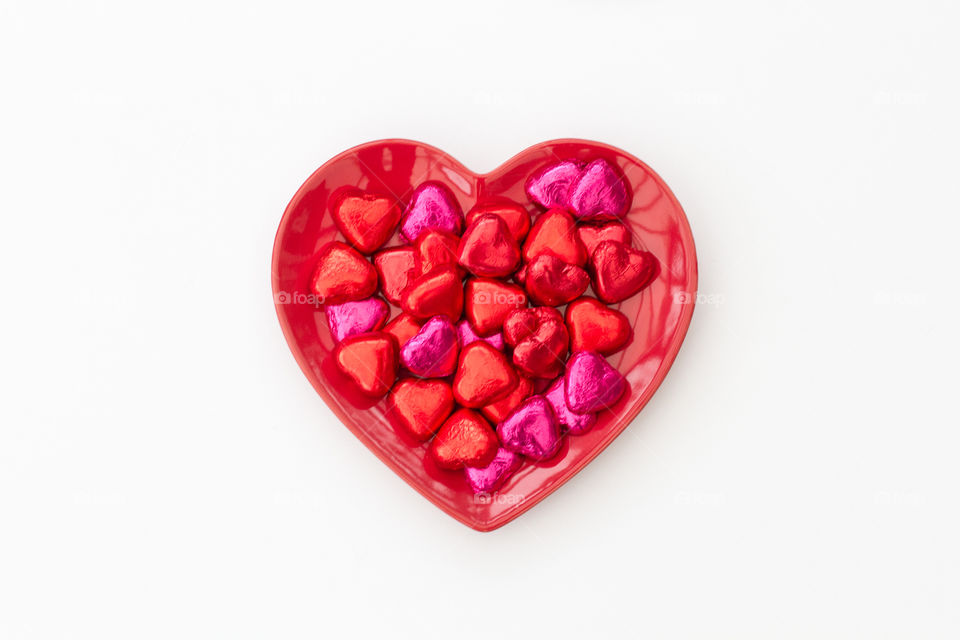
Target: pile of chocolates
[{"x": 496, "y": 353}]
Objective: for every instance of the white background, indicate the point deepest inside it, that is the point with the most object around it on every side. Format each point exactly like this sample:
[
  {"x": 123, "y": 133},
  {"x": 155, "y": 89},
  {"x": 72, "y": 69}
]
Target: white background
[{"x": 166, "y": 470}]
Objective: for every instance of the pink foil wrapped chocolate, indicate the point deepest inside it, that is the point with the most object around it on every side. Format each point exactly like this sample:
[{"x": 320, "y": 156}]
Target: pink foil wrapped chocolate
[
  {"x": 590, "y": 383},
  {"x": 491, "y": 477},
  {"x": 432, "y": 353},
  {"x": 574, "y": 422},
  {"x": 432, "y": 206},
  {"x": 550, "y": 186},
  {"x": 353, "y": 318},
  {"x": 599, "y": 193},
  {"x": 531, "y": 429}
]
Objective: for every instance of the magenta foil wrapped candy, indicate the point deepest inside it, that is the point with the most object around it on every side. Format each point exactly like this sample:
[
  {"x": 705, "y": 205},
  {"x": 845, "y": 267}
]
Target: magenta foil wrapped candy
[
  {"x": 531, "y": 429},
  {"x": 491, "y": 477},
  {"x": 432, "y": 353},
  {"x": 590, "y": 383},
  {"x": 432, "y": 206},
  {"x": 574, "y": 422},
  {"x": 550, "y": 186},
  {"x": 599, "y": 193},
  {"x": 353, "y": 318}
]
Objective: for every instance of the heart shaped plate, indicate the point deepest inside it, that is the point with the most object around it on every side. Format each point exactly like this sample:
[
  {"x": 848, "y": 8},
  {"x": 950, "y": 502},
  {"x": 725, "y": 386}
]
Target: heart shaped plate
[{"x": 660, "y": 314}]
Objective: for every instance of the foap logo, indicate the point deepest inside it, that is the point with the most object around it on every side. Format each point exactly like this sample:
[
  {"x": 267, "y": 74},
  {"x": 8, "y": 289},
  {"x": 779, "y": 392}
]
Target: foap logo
[
  {"x": 497, "y": 498},
  {"x": 687, "y": 297},
  {"x": 296, "y": 297},
  {"x": 499, "y": 297}
]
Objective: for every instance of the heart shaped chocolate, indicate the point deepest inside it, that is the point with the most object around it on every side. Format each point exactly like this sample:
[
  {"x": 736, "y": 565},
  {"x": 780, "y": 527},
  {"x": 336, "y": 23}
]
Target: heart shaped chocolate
[
  {"x": 437, "y": 292},
  {"x": 484, "y": 375},
  {"x": 341, "y": 274},
  {"x": 397, "y": 268},
  {"x": 531, "y": 429},
  {"x": 484, "y": 480},
  {"x": 488, "y": 302},
  {"x": 465, "y": 440},
  {"x": 593, "y": 234},
  {"x": 619, "y": 271},
  {"x": 421, "y": 406},
  {"x": 432, "y": 206},
  {"x": 598, "y": 193},
  {"x": 432, "y": 353},
  {"x": 433, "y": 190},
  {"x": 555, "y": 233},
  {"x": 593, "y": 326},
  {"x": 488, "y": 248},
  {"x": 552, "y": 282},
  {"x": 434, "y": 248},
  {"x": 369, "y": 361},
  {"x": 516, "y": 217},
  {"x": 539, "y": 340},
  {"x": 366, "y": 220},
  {"x": 353, "y": 318}
]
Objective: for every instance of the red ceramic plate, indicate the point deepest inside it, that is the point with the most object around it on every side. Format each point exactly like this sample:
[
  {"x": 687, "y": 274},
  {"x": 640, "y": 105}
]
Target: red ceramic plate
[{"x": 660, "y": 313}]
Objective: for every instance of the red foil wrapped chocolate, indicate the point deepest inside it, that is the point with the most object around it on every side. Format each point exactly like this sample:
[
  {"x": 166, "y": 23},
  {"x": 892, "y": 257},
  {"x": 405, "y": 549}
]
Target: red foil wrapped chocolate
[
  {"x": 366, "y": 220},
  {"x": 555, "y": 232},
  {"x": 514, "y": 215},
  {"x": 593, "y": 326},
  {"x": 464, "y": 439},
  {"x": 488, "y": 248},
  {"x": 437, "y": 292},
  {"x": 488, "y": 302},
  {"x": 341, "y": 274},
  {"x": 539, "y": 340},
  {"x": 484, "y": 375},
  {"x": 370, "y": 360},
  {"x": 421, "y": 406},
  {"x": 620, "y": 271}
]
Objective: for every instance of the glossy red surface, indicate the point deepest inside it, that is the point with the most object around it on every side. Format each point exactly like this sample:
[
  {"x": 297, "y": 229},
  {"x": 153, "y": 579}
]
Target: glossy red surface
[{"x": 660, "y": 314}]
